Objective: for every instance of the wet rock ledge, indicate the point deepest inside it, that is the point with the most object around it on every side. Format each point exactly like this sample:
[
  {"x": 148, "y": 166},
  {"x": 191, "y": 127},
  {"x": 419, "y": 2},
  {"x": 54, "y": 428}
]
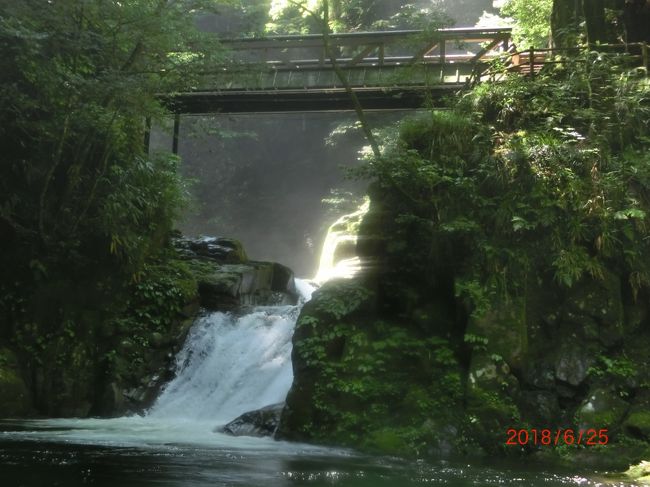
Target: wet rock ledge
[
  {"x": 227, "y": 279},
  {"x": 260, "y": 422}
]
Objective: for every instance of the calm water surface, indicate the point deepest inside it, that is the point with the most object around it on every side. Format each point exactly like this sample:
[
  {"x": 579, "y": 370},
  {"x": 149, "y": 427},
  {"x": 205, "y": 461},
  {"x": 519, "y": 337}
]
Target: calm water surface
[{"x": 135, "y": 452}]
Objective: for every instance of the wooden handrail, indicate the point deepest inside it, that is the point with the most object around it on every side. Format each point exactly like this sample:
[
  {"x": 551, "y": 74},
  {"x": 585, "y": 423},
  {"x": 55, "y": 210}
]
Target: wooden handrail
[
  {"x": 364, "y": 48},
  {"x": 451, "y": 33},
  {"x": 533, "y": 60},
  {"x": 378, "y": 38}
]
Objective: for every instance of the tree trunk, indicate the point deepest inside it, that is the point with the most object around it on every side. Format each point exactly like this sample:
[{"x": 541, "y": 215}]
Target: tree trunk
[
  {"x": 594, "y": 14},
  {"x": 565, "y": 22},
  {"x": 636, "y": 20}
]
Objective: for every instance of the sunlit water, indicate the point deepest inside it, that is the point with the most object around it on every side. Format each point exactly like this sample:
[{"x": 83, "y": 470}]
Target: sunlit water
[{"x": 135, "y": 452}]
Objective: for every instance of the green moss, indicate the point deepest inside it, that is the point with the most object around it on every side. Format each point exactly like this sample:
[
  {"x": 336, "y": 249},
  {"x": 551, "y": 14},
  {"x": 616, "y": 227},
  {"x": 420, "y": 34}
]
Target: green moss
[
  {"x": 387, "y": 442},
  {"x": 14, "y": 397},
  {"x": 640, "y": 472},
  {"x": 638, "y": 423},
  {"x": 488, "y": 415}
]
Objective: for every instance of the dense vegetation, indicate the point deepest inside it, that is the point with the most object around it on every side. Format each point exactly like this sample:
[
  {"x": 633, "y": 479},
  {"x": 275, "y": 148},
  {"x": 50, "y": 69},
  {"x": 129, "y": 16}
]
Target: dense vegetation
[
  {"x": 509, "y": 276},
  {"x": 85, "y": 212},
  {"x": 508, "y": 262}
]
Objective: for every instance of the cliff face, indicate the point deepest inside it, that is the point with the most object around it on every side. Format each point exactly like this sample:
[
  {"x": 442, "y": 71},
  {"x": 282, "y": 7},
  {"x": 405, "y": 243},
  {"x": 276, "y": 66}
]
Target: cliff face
[
  {"x": 394, "y": 361},
  {"x": 505, "y": 283}
]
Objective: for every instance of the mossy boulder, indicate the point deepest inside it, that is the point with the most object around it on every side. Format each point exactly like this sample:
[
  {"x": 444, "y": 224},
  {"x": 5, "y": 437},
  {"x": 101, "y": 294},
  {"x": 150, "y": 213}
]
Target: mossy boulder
[
  {"x": 640, "y": 472},
  {"x": 228, "y": 286},
  {"x": 489, "y": 413},
  {"x": 637, "y": 424},
  {"x": 373, "y": 384},
  {"x": 601, "y": 409},
  {"x": 504, "y": 329},
  {"x": 14, "y": 396},
  {"x": 596, "y": 306}
]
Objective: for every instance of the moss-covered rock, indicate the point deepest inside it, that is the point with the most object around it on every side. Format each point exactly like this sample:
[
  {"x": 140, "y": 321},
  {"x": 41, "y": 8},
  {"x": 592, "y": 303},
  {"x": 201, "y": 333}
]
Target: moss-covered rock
[
  {"x": 637, "y": 424},
  {"x": 601, "y": 409},
  {"x": 640, "y": 472},
  {"x": 369, "y": 383},
  {"x": 504, "y": 330},
  {"x": 14, "y": 396}
]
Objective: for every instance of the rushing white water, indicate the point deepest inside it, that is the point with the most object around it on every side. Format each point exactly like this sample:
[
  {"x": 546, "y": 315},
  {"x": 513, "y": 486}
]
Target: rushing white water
[{"x": 232, "y": 364}]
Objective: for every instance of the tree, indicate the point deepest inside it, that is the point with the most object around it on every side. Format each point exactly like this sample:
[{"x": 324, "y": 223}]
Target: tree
[
  {"x": 82, "y": 205},
  {"x": 79, "y": 80},
  {"x": 532, "y": 26},
  {"x": 287, "y": 16},
  {"x": 600, "y": 21}
]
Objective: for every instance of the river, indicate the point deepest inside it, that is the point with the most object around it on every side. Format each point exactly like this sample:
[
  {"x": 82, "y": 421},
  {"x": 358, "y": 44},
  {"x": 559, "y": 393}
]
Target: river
[
  {"x": 138, "y": 452},
  {"x": 230, "y": 364}
]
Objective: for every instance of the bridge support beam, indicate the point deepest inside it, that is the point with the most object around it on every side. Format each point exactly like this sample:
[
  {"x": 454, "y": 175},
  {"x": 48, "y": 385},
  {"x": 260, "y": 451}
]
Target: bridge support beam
[{"x": 304, "y": 100}]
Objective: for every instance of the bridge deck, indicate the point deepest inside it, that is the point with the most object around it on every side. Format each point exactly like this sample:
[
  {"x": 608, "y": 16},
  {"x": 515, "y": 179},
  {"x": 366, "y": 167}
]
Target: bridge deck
[{"x": 394, "y": 69}]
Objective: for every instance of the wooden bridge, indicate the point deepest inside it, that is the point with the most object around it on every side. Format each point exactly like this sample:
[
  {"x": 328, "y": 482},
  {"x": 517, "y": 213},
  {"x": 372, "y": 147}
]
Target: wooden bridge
[{"x": 386, "y": 70}]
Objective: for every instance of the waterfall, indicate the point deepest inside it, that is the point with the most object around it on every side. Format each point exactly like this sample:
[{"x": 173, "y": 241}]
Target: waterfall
[
  {"x": 338, "y": 258},
  {"x": 231, "y": 364}
]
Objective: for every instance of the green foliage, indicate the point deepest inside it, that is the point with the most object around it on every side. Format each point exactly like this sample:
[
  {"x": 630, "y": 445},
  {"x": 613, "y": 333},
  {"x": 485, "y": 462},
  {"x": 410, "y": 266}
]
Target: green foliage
[
  {"x": 616, "y": 368},
  {"x": 475, "y": 341},
  {"x": 154, "y": 307},
  {"x": 532, "y": 22},
  {"x": 294, "y": 17},
  {"x": 149, "y": 194},
  {"x": 544, "y": 176},
  {"x": 342, "y": 298},
  {"x": 80, "y": 79},
  {"x": 364, "y": 371},
  {"x": 158, "y": 297},
  {"x": 83, "y": 208}
]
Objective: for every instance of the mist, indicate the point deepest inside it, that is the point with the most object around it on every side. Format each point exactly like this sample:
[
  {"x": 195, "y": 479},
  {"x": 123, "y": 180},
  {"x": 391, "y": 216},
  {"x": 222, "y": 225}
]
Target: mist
[{"x": 274, "y": 181}]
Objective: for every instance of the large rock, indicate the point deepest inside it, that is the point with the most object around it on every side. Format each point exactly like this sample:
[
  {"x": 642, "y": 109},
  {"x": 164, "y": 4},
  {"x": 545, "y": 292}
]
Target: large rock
[
  {"x": 227, "y": 279},
  {"x": 228, "y": 286},
  {"x": 224, "y": 250},
  {"x": 602, "y": 409},
  {"x": 261, "y": 422},
  {"x": 572, "y": 363}
]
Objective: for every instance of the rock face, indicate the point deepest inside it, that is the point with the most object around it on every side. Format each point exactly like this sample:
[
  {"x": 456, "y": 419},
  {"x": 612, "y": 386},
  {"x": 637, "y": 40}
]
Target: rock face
[
  {"x": 393, "y": 361},
  {"x": 261, "y": 422},
  {"x": 227, "y": 279}
]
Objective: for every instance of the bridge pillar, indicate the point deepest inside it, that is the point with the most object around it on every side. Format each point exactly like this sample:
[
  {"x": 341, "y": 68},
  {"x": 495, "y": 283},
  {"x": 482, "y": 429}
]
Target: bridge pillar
[{"x": 177, "y": 127}]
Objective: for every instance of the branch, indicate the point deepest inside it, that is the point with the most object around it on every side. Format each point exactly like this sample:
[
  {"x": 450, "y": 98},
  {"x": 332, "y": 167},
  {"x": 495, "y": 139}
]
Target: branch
[{"x": 324, "y": 21}]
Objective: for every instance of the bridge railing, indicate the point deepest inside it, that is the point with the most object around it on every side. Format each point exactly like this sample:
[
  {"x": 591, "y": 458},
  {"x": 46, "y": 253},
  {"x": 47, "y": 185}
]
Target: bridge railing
[
  {"x": 367, "y": 58},
  {"x": 374, "y": 48},
  {"x": 531, "y": 61}
]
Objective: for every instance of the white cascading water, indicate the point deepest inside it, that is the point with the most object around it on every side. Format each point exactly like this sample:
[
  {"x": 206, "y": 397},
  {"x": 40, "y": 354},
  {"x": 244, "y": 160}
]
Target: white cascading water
[
  {"x": 230, "y": 365},
  {"x": 233, "y": 364}
]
